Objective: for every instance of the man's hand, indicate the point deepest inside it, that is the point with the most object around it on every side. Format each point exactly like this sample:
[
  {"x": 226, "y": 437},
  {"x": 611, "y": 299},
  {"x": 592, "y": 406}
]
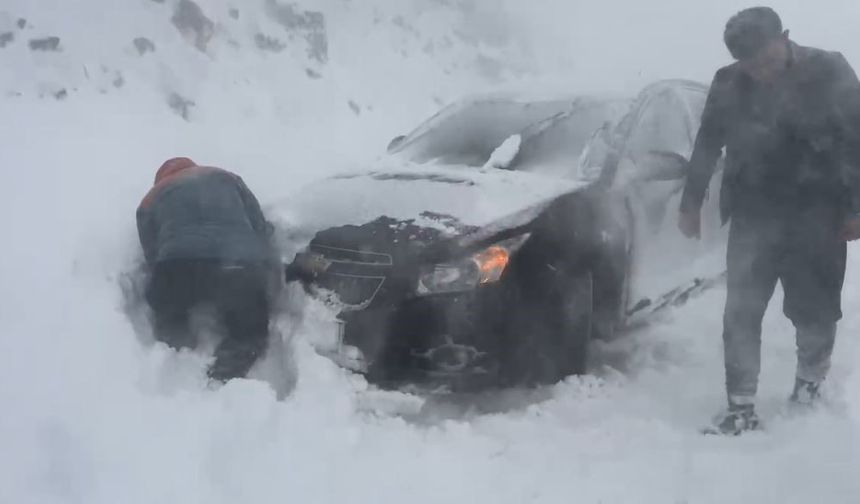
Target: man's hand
[
  {"x": 690, "y": 223},
  {"x": 851, "y": 229}
]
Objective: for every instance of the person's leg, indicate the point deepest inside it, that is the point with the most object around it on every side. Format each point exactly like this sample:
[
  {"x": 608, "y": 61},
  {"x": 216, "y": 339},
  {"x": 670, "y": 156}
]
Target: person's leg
[
  {"x": 752, "y": 274},
  {"x": 814, "y": 349},
  {"x": 751, "y": 279},
  {"x": 169, "y": 297},
  {"x": 812, "y": 279},
  {"x": 242, "y": 302}
]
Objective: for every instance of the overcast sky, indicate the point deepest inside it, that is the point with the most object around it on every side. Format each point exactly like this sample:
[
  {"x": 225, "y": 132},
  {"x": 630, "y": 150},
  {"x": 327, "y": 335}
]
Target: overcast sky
[{"x": 623, "y": 44}]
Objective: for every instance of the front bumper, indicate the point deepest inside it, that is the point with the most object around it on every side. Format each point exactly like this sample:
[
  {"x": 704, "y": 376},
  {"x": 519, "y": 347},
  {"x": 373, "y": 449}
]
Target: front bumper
[
  {"x": 402, "y": 336},
  {"x": 447, "y": 338}
]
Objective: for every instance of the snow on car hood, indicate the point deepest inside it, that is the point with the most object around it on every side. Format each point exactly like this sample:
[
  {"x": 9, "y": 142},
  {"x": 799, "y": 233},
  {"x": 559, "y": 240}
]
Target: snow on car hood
[{"x": 443, "y": 197}]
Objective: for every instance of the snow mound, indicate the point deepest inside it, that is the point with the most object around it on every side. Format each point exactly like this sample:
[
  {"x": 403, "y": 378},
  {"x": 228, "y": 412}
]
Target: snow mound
[{"x": 95, "y": 95}]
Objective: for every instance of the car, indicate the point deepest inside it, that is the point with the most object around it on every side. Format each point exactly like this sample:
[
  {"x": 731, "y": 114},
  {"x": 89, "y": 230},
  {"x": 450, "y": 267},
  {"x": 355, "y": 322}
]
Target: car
[{"x": 494, "y": 242}]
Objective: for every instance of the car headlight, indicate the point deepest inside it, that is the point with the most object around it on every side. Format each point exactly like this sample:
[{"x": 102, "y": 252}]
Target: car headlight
[{"x": 483, "y": 267}]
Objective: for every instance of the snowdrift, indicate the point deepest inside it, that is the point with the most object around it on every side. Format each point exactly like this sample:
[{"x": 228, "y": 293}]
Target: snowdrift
[{"x": 95, "y": 95}]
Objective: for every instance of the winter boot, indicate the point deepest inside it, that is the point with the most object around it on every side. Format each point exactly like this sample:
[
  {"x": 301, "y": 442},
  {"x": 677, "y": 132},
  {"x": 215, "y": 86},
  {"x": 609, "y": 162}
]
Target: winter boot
[
  {"x": 738, "y": 419},
  {"x": 805, "y": 393}
]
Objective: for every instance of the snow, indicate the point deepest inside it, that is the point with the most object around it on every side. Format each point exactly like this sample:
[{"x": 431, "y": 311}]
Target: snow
[
  {"x": 404, "y": 191},
  {"x": 505, "y": 153},
  {"x": 93, "y": 414}
]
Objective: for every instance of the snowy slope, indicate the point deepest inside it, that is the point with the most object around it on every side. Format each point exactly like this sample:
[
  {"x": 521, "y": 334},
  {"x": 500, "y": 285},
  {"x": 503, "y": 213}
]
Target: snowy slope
[{"x": 91, "y": 415}]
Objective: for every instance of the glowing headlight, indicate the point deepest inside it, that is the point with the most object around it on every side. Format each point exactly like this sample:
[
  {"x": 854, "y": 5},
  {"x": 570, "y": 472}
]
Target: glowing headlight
[{"x": 483, "y": 267}]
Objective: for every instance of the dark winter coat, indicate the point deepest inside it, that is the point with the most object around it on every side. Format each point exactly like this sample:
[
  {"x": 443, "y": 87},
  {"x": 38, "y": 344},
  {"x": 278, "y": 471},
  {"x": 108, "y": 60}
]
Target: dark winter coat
[
  {"x": 197, "y": 212},
  {"x": 790, "y": 145}
]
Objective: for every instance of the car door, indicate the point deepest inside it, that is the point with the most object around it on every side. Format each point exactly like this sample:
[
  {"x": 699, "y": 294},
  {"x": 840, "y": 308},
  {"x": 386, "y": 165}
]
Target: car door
[{"x": 653, "y": 143}]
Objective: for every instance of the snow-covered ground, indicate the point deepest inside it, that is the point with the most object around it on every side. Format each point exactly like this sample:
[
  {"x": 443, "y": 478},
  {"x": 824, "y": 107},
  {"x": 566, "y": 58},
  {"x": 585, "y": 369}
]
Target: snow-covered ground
[{"x": 88, "y": 414}]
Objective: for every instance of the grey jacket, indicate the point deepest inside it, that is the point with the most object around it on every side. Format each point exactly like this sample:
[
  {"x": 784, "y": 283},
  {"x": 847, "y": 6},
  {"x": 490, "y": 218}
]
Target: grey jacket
[
  {"x": 794, "y": 144},
  {"x": 202, "y": 213}
]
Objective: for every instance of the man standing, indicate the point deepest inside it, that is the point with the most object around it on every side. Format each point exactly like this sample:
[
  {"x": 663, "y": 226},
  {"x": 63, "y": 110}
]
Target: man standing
[
  {"x": 789, "y": 118},
  {"x": 206, "y": 241}
]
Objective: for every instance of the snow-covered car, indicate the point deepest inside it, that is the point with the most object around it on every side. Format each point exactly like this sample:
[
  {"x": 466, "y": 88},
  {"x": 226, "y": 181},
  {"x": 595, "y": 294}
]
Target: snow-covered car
[{"x": 491, "y": 244}]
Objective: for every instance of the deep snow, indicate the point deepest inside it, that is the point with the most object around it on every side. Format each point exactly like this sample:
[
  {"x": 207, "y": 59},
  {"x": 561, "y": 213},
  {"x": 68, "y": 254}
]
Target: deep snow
[{"x": 91, "y": 415}]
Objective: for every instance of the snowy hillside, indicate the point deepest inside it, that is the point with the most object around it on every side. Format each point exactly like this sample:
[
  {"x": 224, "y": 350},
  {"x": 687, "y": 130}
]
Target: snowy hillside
[
  {"x": 95, "y": 94},
  {"x": 292, "y": 66}
]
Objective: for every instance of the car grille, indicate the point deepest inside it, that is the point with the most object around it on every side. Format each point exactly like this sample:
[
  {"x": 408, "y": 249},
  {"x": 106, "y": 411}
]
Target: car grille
[
  {"x": 356, "y": 257},
  {"x": 356, "y": 276}
]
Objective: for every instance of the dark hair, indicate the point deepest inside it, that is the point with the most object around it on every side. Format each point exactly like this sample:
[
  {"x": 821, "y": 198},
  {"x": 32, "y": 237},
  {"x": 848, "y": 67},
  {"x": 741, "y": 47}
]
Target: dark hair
[{"x": 750, "y": 30}]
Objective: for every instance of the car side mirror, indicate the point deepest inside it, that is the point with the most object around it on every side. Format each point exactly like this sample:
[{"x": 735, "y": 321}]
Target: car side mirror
[{"x": 662, "y": 165}]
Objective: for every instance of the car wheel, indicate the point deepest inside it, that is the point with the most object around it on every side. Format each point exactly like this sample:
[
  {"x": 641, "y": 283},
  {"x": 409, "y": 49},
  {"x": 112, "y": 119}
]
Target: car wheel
[
  {"x": 550, "y": 335},
  {"x": 575, "y": 320},
  {"x": 611, "y": 274}
]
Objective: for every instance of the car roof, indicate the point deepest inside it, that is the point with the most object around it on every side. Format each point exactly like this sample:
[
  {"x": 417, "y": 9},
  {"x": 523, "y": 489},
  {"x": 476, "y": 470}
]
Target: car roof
[{"x": 467, "y": 131}]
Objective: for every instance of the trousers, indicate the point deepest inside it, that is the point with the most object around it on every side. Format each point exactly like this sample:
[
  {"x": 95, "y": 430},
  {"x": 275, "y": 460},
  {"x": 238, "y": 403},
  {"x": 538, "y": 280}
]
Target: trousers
[
  {"x": 239, "y": 296},
  {"x": 802, "y": 251}
]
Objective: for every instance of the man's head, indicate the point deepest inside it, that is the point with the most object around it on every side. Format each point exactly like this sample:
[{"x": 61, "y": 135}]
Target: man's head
[
  {"x": 173, "y": 166},
  {"x": 756, "y": 39}
]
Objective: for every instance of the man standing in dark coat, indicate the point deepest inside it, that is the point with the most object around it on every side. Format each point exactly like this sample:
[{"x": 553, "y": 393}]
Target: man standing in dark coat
[
  {"x": 789, "y": 119},
  {"x": 206, "y": 241}
]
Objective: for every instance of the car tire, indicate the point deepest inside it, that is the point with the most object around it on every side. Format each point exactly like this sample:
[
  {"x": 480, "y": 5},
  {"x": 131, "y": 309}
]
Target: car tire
[
  {"x": 611, "y": 267},
  {"x": 576, "y": 318},
  {"x": 550, "y": 338}
]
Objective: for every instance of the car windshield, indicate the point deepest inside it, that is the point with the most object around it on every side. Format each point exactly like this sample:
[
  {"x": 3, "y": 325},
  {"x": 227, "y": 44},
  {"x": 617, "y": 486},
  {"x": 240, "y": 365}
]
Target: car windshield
[
  {"x": 468, "y": 132},
  {"x": 554, "y": 146}
]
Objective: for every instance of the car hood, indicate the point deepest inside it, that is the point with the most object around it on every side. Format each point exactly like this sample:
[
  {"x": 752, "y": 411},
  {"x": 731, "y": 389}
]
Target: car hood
[{"x": 453, "y": 200}]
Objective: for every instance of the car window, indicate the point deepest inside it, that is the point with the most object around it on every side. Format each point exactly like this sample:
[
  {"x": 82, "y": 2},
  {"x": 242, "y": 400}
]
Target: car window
[
  {"x": 664, "y": 117},
  {"x": 555, "y": 145},
  {"x": 666, "y": 121},
  {"x": 468, "y": 132}
]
